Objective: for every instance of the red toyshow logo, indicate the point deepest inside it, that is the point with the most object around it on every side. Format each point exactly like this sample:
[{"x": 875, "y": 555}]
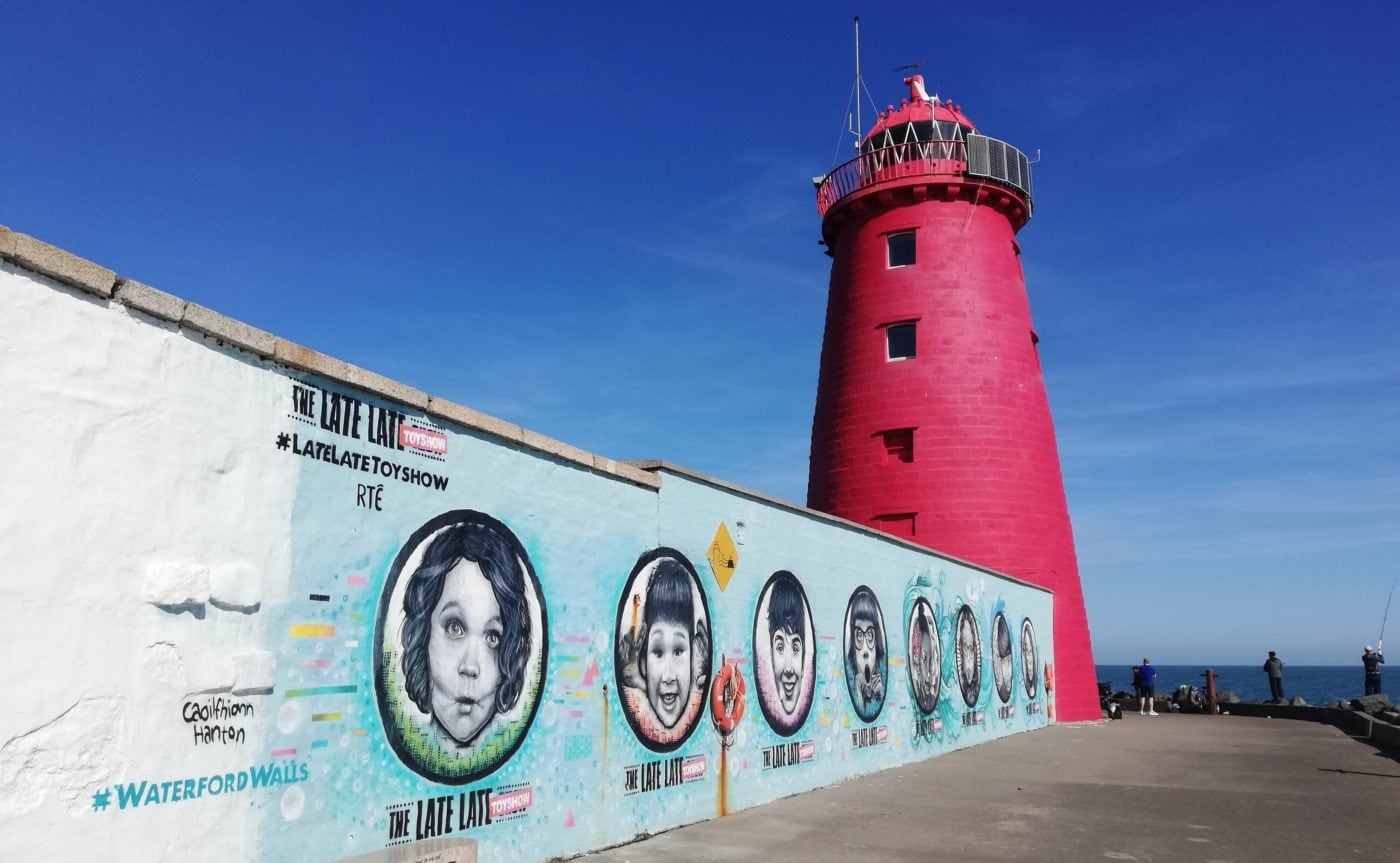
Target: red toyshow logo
[
  {"x": 511, "y": 802},
  {"x": 420, "y": 438}
]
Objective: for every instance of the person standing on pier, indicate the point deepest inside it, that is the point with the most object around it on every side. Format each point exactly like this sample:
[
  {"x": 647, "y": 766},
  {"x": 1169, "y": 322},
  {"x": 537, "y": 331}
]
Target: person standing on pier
[
  {"x": 1273, "y": 666},
  {"x": 1149, "y": 688},
  {"x": 1372, "y": 660}
]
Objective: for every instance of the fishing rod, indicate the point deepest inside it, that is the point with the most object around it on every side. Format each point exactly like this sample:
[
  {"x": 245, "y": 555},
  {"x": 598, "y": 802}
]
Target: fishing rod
[{"x": 1380, "y": 642}]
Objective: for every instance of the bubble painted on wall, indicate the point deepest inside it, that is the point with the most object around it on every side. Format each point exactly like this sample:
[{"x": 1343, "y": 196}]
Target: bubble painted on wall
[
  {"x": 664, "y": 655},
  {"x": 461, "y": 641}
]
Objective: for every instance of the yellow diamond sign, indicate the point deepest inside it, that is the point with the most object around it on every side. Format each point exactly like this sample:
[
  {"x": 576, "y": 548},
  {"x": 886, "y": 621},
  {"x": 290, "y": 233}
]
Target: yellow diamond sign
[{"x": 723, "y": 557}]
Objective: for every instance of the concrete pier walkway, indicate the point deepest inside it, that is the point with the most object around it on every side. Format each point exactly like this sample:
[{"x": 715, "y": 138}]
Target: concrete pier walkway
[{"x": 1164, "y": 788}]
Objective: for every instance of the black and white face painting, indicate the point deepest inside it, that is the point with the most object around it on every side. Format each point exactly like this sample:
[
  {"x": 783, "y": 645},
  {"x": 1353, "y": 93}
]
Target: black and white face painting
[
  {"x": 663, "y": 649},
  {"x": 460, "y": 647},
  {"x": 784, "y": 653},
  {"x": 925, "y": 654},
  {"x": 1001, "y": 657},
  {"x": 968, "y": 649},
  {"x": 866, "y": 656},
  {"x": 1030, "y": 659}
]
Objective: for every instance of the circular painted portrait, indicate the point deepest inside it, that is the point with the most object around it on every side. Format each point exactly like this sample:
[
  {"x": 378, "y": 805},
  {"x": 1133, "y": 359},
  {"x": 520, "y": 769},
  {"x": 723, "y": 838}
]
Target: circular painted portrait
[
  {"x": 866, "y": 655},
  {"x": 967, "y": 648},
  {"x": 784, "y": 653},
  {"x": 460, "y": 645},
  {"x": 663, "y": 649},
  {"x": 925, "y": 654},
  {"x": 1030, "y": 659},
  {"x": 1001, "y": 657}
]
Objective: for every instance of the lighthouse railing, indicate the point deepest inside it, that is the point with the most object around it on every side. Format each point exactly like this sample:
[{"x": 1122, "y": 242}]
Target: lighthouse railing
[
  {"x": 979, "y": 156},
  {"x": 998, "y": 160}
]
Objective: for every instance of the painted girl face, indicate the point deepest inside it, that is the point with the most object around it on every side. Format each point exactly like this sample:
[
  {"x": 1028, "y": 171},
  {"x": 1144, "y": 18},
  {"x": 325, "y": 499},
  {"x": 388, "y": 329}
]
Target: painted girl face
[
  {"x": 668, "y": 670},
  {"x": 463, "y": 647},
  {"x": 787, "y": 667},
  {"x": 863, "y": 631}
]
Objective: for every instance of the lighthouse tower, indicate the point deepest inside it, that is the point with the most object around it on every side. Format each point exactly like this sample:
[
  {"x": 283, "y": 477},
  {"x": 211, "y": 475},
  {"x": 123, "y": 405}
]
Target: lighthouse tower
[{"x": 932, "y": 422}]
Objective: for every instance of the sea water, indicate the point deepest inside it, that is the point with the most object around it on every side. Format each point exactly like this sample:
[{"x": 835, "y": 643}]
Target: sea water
[{"x": 1317, "y": 684}]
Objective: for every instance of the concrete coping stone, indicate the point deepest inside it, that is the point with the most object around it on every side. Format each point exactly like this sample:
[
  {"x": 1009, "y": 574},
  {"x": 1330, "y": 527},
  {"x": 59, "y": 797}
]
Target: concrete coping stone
[
  {"x": 391, "y": 389},
  {"x": 474, "y": 419},
  {"x": 153, "y": 302},
  {"x": 55, "y": 263},
  {"x": 39, "y": 257},
  {"x": 228, "y": 330},
  {"x": 656, "y": 466}
]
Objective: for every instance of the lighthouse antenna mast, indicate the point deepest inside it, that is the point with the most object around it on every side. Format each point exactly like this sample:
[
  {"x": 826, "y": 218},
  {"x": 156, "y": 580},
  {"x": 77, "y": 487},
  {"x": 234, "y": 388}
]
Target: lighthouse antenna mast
[
  {"x": 860, "y": 85},
  {"x": 854, "y": 122},
  {"x": 857, "y": 88}
]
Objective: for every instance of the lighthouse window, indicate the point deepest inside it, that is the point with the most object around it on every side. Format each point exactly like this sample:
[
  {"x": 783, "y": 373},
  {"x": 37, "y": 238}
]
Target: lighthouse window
[
  {"x": 901, "y": 249},
  {"x": 899, "y": 446},
  {"x": 900, "y": 524},
  {"x": 900, "y": 340}
]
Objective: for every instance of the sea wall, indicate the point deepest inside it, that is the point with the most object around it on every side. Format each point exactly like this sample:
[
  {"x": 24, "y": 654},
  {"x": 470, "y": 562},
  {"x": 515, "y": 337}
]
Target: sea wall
[{"x": 263, "y": 605}]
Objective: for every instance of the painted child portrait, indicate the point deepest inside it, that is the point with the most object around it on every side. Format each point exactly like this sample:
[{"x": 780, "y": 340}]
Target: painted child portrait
[
  {"x": 968, "y": 655},
  {"x": 925, "y": 657},
  {"x": 866, "y": 656},
  {"x": 784, "y": 653},
  {"x": 461, "y": 646},
  {"x": 1030, "y": 659},
  {"x": 1002, "y": 659},
  {"x": 466, "y": 631},
  {"x": 663, "y": 649}
]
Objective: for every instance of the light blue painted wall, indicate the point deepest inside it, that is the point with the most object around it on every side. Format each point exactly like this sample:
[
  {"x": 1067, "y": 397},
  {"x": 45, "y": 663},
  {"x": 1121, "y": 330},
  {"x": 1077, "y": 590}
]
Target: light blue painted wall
[
  {"x": 583, "y": 534},
  {"x": 246, "y": 568},
  {"x": 831, "y": 560},
  {"x": 567, "y": 745}
]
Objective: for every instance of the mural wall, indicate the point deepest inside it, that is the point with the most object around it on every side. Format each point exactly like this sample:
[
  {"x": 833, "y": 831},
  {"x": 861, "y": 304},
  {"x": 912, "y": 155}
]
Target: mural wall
[{"x": 265, "y": 615}]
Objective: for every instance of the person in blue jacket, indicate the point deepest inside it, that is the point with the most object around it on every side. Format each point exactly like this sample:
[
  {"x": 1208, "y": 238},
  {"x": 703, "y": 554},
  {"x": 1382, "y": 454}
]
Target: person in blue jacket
[{"x": 1149, "y": 688}]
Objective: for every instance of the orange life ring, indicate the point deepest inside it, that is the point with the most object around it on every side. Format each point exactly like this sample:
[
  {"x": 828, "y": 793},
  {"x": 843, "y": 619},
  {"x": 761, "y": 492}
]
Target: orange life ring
[{"x": 727, "y": 699}]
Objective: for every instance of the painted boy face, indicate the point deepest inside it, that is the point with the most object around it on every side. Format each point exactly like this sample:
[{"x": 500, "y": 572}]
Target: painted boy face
[
  {"x": 787, "y": 667},
  {"x": 668, "y": 670},
  {"x": 463, "y": 648}
]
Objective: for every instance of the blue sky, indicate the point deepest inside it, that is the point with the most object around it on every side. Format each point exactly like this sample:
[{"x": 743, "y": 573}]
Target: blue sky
[{"x": 598, "y": 223}]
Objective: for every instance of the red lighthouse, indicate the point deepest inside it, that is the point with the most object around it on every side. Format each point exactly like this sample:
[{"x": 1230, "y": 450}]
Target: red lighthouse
[{"x": 932, "y": 421}]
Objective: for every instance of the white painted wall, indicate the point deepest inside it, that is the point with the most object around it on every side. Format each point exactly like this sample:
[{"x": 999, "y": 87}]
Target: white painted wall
[{"x": 130, "y": 475}]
